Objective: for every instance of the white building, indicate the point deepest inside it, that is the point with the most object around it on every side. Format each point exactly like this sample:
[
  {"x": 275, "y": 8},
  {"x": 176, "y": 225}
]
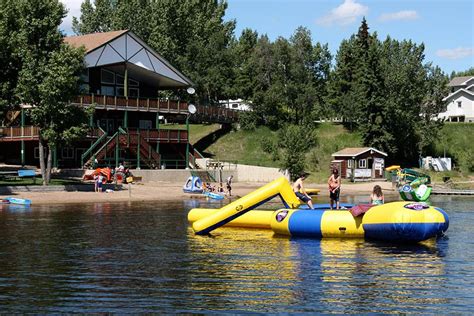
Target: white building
[
  {"x": 460, "y": 101},
  {"x": 238, "y": 104}
]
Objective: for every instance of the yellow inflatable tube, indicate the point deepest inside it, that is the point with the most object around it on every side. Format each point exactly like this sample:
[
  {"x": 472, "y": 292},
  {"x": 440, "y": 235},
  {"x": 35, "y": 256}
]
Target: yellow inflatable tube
[
  {"x": 251, "y": 219},
  {"x": 279, "y": 187}
]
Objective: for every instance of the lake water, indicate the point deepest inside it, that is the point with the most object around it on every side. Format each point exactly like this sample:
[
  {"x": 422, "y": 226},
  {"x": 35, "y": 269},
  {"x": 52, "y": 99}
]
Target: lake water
[{"x": 144, "y": 257}]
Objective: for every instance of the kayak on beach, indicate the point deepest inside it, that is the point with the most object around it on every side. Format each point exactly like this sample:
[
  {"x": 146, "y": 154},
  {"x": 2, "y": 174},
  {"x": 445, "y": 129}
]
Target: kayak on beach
[{"x": 13, "y": 200}]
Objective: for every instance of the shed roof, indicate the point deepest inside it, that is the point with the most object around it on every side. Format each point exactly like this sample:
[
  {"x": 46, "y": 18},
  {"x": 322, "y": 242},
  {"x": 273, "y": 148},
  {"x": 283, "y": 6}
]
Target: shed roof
[{"x": 355, "y": 151}]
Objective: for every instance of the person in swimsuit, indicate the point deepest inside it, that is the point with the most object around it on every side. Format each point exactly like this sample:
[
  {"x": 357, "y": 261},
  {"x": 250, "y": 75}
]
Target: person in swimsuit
[
  {"x": 300, "y": 192},
  {"x": 376, "y": 198},
  {"x": 334, "y": 183}
]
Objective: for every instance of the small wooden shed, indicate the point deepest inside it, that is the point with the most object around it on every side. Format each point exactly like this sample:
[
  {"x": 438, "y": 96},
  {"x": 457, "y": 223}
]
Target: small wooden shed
[{"x": 359, "y": 163}]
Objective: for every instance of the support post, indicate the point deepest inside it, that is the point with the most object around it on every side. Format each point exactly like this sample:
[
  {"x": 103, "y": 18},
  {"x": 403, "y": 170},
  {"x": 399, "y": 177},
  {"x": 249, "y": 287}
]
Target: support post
[
  {"x": 22, "y": 153},
  {"x": 117, "y": 150},
  {"x": 125, "y": 119},
  {"x": 138, "y": 150},
  {"x": 187, "y": 141},
  {"x": 157, "y": 123}
]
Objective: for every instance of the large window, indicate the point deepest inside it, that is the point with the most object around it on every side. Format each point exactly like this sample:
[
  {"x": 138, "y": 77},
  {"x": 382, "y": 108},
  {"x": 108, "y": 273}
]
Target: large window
[
  {"x": 107, "y": 76},
  {"x": 362, "y": 163},
  {"x": 107, "y": 90}
]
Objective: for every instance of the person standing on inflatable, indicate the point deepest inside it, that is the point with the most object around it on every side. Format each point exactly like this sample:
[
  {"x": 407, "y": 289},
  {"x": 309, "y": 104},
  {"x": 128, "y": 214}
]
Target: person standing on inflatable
[
  {"x": 300, "y": 192},
  {"x": 229, "y": 184},
  {"x": 334, "y": 183}
]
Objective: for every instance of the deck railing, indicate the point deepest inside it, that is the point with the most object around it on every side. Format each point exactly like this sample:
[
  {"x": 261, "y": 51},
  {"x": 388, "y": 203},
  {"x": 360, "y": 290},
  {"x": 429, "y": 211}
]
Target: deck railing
[
  {"x": 18, "y": 132},
  {"x": 217, "y": 113}
]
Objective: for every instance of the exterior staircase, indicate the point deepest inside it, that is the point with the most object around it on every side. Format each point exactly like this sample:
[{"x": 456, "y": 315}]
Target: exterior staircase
[{"x": 134, "y": 142}]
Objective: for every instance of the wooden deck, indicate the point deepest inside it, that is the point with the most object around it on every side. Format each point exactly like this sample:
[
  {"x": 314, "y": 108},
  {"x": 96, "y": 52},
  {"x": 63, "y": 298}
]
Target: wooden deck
[
  {"x": 30, "y": 133},
  {"x": 206, "y": 113}
]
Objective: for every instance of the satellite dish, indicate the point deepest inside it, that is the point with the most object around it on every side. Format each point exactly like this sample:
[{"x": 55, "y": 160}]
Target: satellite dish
[
  {"x": 190, "y": 90},
  {"x": 191, "y": 109}
]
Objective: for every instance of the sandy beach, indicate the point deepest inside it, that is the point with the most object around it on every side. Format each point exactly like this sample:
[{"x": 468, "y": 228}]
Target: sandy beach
[{"x": 169, "y": 191}]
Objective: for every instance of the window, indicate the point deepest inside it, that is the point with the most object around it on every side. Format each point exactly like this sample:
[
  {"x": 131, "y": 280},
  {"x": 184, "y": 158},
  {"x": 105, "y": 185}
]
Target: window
[
  {"x": 235, "y": 105},
  {"x": 68, "y": 153},
  {"x": 144, "y": 124},
  {"x": 133, "y": 92},
  {"x": 107, "y": 90},
  {"x": 120, "y": 80},
  {"x": 120, "y": 91},
  {"x": 362, "y": 163},
  {"x": 459, "y": 104},
  {"x": 132, "y": 83},
  {"x": 85, "y": 75},
  {"x": 349, "y": 163},
  {"x": 107, "y": 76}
]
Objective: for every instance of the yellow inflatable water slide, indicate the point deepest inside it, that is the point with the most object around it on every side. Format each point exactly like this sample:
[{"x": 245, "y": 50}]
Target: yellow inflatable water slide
[{"x": 395, "y": 221}]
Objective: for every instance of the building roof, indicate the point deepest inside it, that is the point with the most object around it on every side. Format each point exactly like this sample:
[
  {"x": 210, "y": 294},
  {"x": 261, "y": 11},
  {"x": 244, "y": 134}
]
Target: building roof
[
  {"x": 459, "y": 81},
  {"x": 119, "y": 49},
  {"x": 355, "y": 151},
  {"x": 94, "y": 40},
  {"x": 460, "y": 91}
]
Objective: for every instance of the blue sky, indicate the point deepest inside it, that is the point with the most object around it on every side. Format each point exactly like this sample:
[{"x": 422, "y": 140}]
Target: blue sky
[{"x": 445, "y": 27}]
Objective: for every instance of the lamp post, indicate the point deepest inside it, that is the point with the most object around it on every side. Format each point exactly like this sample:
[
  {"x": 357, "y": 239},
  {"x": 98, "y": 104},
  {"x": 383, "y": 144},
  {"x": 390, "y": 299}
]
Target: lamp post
[{"x": 191, "y": 111}]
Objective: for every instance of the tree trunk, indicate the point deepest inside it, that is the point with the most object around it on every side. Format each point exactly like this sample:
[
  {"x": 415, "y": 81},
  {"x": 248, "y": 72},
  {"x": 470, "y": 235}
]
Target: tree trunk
[
  {"x": 48, "y": 166},
  {"x": 41, "y": 159},
  {"x": 45, "y": 168}
]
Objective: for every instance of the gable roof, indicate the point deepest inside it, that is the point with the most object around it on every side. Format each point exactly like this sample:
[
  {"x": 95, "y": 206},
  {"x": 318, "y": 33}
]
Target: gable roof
[
  {"x": 94, "y": 40},
  {"x": 355, "y": 151},
  {"x": 459, "y": 91},
  {"x": 459, "y": 81},
  {"x": 124, "y": 47}
]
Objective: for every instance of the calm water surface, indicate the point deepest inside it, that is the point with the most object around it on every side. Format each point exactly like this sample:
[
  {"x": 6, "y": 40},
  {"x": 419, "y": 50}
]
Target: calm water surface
[{"x": 144, "y": 257}]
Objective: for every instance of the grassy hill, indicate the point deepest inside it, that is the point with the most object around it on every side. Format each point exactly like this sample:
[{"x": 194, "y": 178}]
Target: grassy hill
[
  {"x": 245, "y": 147},
  {"x": 457, "y": 142}
]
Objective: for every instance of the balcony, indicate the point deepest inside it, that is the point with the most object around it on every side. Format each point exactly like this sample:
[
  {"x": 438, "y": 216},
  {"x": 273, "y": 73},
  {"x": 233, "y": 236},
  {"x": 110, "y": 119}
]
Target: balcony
[{"x": 204, "y": 113}]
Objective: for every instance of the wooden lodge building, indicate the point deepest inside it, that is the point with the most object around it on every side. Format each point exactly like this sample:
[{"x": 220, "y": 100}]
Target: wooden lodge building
[
  {"x": 122, "y": 81},
  {"x": 359, "y": 163}
]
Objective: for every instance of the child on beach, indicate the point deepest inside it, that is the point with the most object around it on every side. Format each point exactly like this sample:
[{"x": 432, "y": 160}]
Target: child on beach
[
  {"x": 334, "y": 183},
  {"x": 376, "y": 198},
  {"x": 300, "y": 192}
]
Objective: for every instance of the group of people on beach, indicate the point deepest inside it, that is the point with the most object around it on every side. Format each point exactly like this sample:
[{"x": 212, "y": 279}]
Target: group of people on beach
[
  {"x": 334, "y": 187},
  {"x": 220, "y": 189}
]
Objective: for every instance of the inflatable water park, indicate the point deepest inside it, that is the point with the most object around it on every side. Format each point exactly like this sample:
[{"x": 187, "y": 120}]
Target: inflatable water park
[
  {"x": 403, "y": 221},
  {"x": 413, "y": 185}
]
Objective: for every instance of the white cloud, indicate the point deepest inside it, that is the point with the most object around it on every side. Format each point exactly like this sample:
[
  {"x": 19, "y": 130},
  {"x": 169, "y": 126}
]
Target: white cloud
[
  {"x": 399, "y": 16},
  {"x": 345, "y": 14},
  {"x": 74, "y": 9},
  {"x": 455, "y": 53}
]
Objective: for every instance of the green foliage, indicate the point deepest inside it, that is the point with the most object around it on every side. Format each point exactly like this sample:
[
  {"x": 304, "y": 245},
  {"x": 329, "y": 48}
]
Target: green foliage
[
  {"x": 48, "y": 75},
  {"x": 456, "y": 142},
  {"x": 9, "y": 56},
  {"x": 294, "y": 141},
  {"x": 469, "y": 72},
  {"x": 385, "y": 90}
]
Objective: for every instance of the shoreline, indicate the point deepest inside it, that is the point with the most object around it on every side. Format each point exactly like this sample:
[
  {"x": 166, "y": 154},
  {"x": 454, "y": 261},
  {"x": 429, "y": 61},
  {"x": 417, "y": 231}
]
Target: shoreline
[{"x": 170, "y": 191}]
